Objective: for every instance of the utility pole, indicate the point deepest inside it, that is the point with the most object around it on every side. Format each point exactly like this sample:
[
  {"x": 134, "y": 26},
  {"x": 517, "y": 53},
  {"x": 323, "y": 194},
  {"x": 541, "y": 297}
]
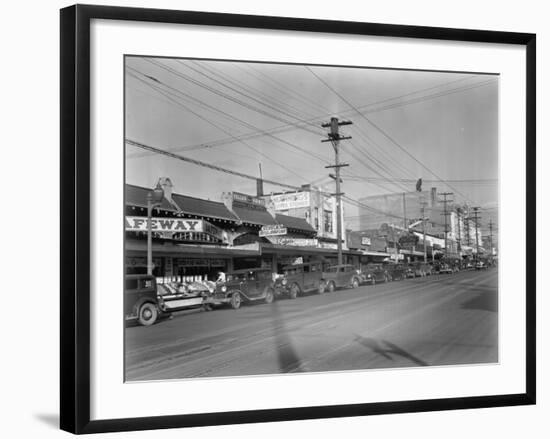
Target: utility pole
[
  {"x": 445, "y": 213},
  {"x": 491, "y": 236},
  {"x": 467, "y": 227},
  {"x": 404, "y": 213},
  {"x": 459, "y": 238},
  {"x": 422, "y": 210},
  {"x": 476, "y": 218},
  {"x": 334, "y": 138}
]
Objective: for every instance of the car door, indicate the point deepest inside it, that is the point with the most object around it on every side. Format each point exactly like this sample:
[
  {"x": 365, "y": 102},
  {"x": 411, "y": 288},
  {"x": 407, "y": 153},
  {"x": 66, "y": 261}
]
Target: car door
[
  {"x": 343, "y": 274},
  {"x": 307, "y": 277},
  {"x": 254, "y": 284}
]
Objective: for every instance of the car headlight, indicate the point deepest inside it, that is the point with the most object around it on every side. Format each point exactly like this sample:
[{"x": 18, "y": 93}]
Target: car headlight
[
  {"x": 224, "y": 289},
  {"x": 284, "y": 281},
  {"x": 368, "y": 275}
]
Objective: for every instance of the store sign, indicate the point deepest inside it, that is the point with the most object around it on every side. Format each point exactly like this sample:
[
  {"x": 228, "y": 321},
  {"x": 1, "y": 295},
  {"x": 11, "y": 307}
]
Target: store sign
[
  {"x": 272, "y": 230},
  {"x": 328, "y": 245},
  {"x": 140, "y": 224},
  {"x": 365, "y": 240},
  {"x": 290, "y": 200},
  {"x": 295, "y": 242},
  {"x": 248, "y": 199},
  {"x": 170, "y": 226}
]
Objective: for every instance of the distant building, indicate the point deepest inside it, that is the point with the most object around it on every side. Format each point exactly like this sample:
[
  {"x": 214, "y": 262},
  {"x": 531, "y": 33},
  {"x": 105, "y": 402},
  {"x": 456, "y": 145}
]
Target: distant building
[{"x": 314, "y": 205}]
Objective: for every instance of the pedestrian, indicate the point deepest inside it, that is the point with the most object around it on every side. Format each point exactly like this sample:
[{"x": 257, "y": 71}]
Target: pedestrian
[{"x": 221, "y": 277}]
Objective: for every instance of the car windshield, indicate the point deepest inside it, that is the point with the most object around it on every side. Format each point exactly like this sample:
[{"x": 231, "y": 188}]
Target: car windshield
[
  {"x": 332, "y": 269},
  {"x": 291, "y": 271},
  {"x": 236, "y": 276}
]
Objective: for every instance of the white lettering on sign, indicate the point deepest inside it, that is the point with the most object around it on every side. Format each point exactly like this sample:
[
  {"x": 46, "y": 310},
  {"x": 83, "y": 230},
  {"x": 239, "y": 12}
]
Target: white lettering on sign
[
  {"x": 248, "y": 199},
  {"x": 299, "y": 242},
  {"x": 140, "y": 224},
  {"x": 292, "y": 200},
  {"x": 273, "y": 230}
]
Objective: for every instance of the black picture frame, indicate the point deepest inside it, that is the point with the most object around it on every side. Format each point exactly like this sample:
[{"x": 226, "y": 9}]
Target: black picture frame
[{"x": 75, "y": 217}]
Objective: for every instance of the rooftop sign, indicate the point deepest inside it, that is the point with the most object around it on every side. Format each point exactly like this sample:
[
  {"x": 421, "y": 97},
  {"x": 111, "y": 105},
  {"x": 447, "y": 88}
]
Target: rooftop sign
[
  {"x": 291, "y": 200},
  {"x": 273, "y": 230},
  {"x": 248, "y": 199}
]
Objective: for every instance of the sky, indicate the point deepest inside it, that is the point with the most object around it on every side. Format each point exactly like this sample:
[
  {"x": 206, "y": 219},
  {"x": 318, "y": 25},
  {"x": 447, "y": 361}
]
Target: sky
[{"x": 438, "y": 126}]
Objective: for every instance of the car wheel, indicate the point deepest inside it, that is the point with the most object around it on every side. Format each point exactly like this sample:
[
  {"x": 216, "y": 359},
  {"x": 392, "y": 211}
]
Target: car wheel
[
  {"x": 294, "y": 291},
  {"x": 236, "y": 300},
  {"x": 148, "y": 314},
  {"x": 269, "y": 296},
  {"x": 354, "y": 283},
  {"x": 331, "y": 286}
]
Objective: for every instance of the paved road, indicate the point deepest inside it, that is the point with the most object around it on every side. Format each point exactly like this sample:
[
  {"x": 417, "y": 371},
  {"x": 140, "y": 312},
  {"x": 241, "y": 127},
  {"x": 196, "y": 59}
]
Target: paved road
[{"x": 438, "y": 320}]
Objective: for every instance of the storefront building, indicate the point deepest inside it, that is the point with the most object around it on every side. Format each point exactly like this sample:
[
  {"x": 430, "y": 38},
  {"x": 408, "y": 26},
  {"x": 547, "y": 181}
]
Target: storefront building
[{"x": 196, "y": 239}]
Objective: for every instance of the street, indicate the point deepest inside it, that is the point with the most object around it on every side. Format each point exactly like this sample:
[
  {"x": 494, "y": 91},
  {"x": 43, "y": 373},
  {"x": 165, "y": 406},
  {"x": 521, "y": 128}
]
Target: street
[{"x": 436, "y": 320}]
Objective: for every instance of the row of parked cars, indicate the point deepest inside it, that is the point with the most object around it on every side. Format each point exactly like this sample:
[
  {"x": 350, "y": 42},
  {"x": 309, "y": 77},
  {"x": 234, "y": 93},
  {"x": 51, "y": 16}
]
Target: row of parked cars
[{"x": 145, "y": 300}]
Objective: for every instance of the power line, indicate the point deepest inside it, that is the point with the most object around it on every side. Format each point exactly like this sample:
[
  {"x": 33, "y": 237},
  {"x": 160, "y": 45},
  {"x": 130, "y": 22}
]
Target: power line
[
  {"x": 382, "y": 131},
  {"x": 227, "y": 132},
  {"x": 206, "y": 165},
  {"x": 241, "y": 174},
  {"x": 231, "y": 98},
  {"x": 214, "y": 109}
]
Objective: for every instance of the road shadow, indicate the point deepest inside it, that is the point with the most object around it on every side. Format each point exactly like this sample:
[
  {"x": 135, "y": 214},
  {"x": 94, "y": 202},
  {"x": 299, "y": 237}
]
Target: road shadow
[
  {"x": 484, "y": 301},
  {"x": 288, "y": 359},
  {"x": 388, "y": 350}
]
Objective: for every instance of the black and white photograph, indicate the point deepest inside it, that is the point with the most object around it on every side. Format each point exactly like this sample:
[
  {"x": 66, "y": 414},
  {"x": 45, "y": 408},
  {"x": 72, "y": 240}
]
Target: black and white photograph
[{"x": 295, "y": 218}]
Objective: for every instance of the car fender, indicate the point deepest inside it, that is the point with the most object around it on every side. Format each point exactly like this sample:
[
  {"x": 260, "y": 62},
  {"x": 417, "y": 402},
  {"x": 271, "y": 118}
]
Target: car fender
[
  {"x": 141, "y": 301},
  {"x": 229, "y": 293},
  {"x": 266, "y": 289}
]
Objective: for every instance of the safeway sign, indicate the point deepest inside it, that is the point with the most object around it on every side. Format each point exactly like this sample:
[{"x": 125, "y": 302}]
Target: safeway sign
[{"x": 140, "y": 224}]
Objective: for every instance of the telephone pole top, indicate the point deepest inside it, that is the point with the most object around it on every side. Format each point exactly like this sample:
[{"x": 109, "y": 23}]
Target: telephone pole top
[{"x": 334, "y": 137}]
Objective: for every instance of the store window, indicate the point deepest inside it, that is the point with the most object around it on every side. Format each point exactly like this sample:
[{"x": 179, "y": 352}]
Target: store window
[
  {"x": 316, "y": 218},
  {"x": 327, "y": 217}
]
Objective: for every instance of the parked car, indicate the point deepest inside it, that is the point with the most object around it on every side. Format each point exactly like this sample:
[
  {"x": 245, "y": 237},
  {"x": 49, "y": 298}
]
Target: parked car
[
  {"x": 339, "y": 276},
  {"x": 374, "y": 273},
  {"x": 145, "y": 300},
  {"x": 410, "y": 270},
  {"x": 300, "y": 278},
  {"x": 445, "y": 269},
  {"x": 177, "y": 296},
  {"x": 418, "y": 269},
  {"x": 426, "y": 269},
  {"x": 140, "y": 299},
  {"x": 396, "y": 271},
  {"x": 480, "y": 265},
  {"x": 248, "y": 285}
]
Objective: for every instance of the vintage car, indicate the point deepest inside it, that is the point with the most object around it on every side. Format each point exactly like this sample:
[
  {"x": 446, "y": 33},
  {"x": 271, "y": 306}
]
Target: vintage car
[
  {"x": 140, "y": 299},
  {"x": 419, "y": 269},
  {"x": 374, "y": 273},
  {"x": 339, "y": 276},
  {"x": 480, "y": 265},
  {"x": 445, "y": 269},
  {"x": 396, "y": 271},
  {"x": 300, "y": 278},
  {"x": 247, "y": 285},
  {"x": 145, "y": 300},
  {"x": 411, "y": 270},
  {"x": 428, "y": 269},
  {"x": 177, "y": 296}
]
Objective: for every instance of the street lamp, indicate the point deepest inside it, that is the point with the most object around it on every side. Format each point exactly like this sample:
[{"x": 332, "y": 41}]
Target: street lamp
[{"x": 154, "y": 198}]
